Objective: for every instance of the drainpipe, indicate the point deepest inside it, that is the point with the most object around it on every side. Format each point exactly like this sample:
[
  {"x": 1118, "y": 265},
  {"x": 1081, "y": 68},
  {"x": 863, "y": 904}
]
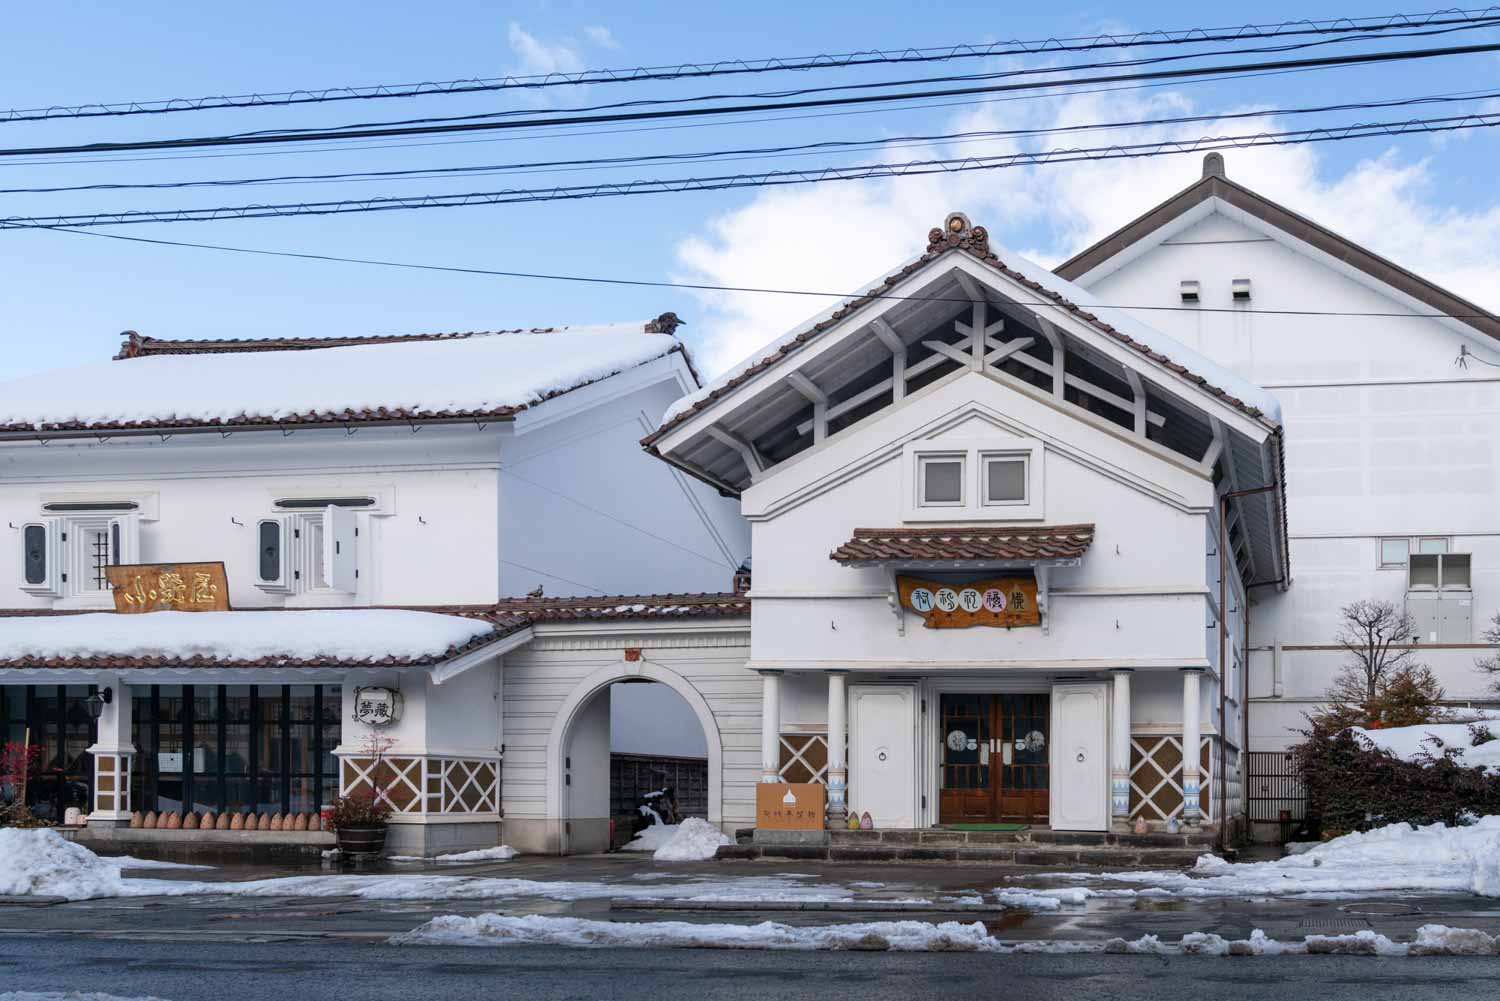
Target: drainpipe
[{"x": 1223, "y": 778}]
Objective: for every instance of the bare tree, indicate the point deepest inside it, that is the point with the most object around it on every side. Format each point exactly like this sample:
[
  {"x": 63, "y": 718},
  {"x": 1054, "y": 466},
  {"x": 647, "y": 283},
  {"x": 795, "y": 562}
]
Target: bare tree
[
  {"x": 1369, "y": 633},
  {"x": 1380, "y": 675},
  {"x": 1491, "y": 664}
]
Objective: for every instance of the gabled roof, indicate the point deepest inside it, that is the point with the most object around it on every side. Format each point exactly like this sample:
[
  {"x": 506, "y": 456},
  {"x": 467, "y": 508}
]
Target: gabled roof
[
  {"x": 1214, "y": 184},
  {"x": 1072, "y": 299},
  {"x": 169, "y": 385},
  {"x": 965, "y": 544}
]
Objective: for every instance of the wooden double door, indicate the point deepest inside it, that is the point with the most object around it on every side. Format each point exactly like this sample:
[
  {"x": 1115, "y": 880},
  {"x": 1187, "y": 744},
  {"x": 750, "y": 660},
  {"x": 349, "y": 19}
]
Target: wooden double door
[{"x": 993, "y": 758}]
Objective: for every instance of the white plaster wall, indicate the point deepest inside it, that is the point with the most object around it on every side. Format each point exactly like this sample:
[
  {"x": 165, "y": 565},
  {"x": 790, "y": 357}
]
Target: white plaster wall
[
  {"x": 590, "y": 512},
  {"x": 1149, "y": 516},
  {"x": 542, "y": 677},
  {"x": 1385, "y": 436}
]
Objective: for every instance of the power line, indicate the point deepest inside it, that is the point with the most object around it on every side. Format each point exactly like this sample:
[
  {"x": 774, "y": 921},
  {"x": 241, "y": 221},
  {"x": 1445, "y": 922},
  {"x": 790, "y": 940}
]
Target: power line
[
  {"x": 830, "y": 145},
  {"x": 553, "y": 576},
  {"x": 777, "y": 178},
  {"x": 1353, "y": 59},
  {"x": 1398, "y": 23},
  {"x": 706, "y": 287}
]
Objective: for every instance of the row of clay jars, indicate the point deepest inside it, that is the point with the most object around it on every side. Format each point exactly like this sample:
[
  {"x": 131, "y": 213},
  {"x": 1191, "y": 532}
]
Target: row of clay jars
[{"x": 226, "y": 821}]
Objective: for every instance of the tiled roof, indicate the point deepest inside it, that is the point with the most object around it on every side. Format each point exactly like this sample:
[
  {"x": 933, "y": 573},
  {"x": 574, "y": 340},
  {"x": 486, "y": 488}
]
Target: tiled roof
[
  {"x": 975, "y": 241},
  {"x": 965, "y": 544},
  {"x": 508, "y": 616},
  {"x": 621, "y": 607},
  {"x": 140, "y": 345}
]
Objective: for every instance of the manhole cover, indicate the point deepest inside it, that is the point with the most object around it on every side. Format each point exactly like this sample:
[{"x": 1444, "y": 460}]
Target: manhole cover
[{"x": 1378, "y": 909}]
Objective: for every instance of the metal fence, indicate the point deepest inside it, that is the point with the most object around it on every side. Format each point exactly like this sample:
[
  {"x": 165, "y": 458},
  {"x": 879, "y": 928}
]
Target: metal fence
[
  {"x": 1275, "y": 787},
  {"x": 633, "y": 775}
]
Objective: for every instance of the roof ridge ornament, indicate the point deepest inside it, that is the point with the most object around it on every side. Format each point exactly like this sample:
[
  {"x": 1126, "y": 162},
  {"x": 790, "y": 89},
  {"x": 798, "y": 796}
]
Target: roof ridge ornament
[
  {"x": 1213, "y": 166},
  {"x": 958, "y": 232}
]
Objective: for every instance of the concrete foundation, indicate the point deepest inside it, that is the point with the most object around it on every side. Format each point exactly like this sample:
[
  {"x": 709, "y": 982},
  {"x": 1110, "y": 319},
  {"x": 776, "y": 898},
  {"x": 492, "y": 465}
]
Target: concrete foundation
[{"x": 440, "y": 838}]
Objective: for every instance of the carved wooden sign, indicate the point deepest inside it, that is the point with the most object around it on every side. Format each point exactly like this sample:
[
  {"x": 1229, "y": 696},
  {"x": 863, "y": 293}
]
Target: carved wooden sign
[
  {"x": 169, "y": 587},
  {"x": 995, "y": 601}
]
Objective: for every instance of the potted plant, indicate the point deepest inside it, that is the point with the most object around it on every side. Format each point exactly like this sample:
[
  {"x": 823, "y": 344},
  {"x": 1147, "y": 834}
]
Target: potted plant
[{"x": 359, "y": 816}]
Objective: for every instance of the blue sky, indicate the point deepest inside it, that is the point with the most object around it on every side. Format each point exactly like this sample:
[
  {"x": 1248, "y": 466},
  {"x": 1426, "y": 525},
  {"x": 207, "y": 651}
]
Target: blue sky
[{"x": 1429, "y": 203}]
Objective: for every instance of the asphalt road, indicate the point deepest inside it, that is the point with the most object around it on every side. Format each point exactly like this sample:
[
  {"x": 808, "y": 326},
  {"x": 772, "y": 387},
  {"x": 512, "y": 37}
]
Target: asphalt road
[{"x": 231, "y": 971}]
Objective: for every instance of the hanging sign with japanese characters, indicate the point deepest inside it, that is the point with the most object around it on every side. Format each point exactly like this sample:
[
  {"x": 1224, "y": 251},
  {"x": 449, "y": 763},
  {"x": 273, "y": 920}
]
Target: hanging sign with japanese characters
[
  {"x": 375, "y": 706},
  {"x": 169, "y": 587},
  {"x": 996, "y": 601}
]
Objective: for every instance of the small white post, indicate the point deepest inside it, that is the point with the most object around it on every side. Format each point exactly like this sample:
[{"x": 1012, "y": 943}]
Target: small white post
[
  {"x": 112, "y": 753},
  {"x": 1191, "y": 740},
  {"x": 770, "y": 726},
  {"x": 1119, "y": 763},
  {"x": 838, "y": 772}
]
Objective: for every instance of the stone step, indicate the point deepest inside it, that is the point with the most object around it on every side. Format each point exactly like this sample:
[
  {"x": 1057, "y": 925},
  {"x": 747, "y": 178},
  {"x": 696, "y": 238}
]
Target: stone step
[
  {"x": 1016, "y": 853},
  {"x": 943, "y": 837}
]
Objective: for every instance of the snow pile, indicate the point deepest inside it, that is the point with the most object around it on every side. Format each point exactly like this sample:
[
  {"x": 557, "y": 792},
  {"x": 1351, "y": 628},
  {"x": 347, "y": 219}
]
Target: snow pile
[
  {"x": 694, "y": 841},
  {"x": 533, "y": 929},
  {"x": 344, "y": 635},
  {"x": 477, "y": 374},
  {"x": 910, "y": 936},
  {"x": 500, "y": 853},
  {"x": 1396, "y": 857},
  {"x": 1414, "y": 743},
  {"x": 1041, "y": 900},
  {"x": 39, "y": 862},
  {"x": 652, "y": 838}
]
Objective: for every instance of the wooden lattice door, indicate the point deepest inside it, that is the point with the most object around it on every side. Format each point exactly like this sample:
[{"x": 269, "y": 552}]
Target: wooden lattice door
[{"x": 993, "y": 758}]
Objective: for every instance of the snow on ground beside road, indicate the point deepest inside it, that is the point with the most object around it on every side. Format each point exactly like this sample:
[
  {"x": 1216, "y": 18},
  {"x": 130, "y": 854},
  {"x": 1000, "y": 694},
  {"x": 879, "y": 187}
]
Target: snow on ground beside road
[
  {"x": 1411, "y": 743},
  {"x": 696, "y": 840},
  {"x": 39, "y": 862},
  {"x": 500, "y": 853},
  {"x": 131, "y": 862},
  {"x": 1393, "y": 858},
  {"x": 908, "y": 936}
]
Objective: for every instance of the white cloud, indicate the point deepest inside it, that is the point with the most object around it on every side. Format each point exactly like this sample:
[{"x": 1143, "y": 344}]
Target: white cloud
[
  {"x": 601, "y": 36},
  {"x": 538, "y": 58},
  {"x": 839, "y": 236}
]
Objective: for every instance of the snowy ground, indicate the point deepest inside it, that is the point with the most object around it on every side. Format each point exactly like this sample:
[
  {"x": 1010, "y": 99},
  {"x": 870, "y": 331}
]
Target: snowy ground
[
  {"x": 500, "y": 853},
  {"x": 908, "y": 936}
]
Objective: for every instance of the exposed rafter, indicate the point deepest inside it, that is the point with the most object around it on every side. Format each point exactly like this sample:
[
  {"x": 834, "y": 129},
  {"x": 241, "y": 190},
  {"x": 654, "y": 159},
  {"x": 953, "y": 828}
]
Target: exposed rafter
[
  {"x": 897, "y": 348},
  {"x": 817, "y": 398},
  {"x": 752, "y": 458}
]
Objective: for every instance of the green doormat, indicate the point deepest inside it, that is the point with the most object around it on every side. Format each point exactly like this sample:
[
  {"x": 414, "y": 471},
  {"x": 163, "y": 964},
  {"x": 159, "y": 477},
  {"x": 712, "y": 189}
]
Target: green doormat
[{"x": 985, "y": 827}]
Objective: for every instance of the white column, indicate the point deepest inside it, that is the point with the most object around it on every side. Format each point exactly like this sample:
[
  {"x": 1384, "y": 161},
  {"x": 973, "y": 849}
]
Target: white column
[
  {"x": 112, "y": 753},
  {"x": 770, "y": 726},
  {"x": 1190, "y": 745},
  {"x": 1119, "y": 749},
  {"x": 838, "y": 771}
]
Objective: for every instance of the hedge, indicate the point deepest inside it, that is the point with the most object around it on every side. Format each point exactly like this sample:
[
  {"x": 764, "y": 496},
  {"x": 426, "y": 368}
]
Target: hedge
[{"x": 1353, "y": 786}]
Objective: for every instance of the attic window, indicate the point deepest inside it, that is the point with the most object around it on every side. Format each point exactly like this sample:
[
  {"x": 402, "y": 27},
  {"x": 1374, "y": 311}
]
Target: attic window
[
  {"x": 1189, "y": 291},
  {"x": 942, "y": 480},
  {"x": 1240, "y": 289}
]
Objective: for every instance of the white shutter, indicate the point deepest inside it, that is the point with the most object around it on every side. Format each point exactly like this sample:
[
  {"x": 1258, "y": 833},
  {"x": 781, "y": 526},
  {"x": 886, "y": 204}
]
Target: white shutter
[
  {"x": 42, "y": 557},
  {"x": 338, "y": 549},
  {"x": 124, "y": 540}
]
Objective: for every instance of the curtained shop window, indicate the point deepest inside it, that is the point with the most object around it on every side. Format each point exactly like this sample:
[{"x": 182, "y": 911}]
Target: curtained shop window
[{"x": 59, "y": 723}]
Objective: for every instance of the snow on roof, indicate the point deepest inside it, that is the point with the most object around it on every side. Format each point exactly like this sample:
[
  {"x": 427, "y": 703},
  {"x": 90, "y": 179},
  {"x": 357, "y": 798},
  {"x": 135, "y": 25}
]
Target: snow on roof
[
  {"x": 490, "y": 375},
  {"x": 1077, "y": 299},
  {"x": 344, "y": 636}
]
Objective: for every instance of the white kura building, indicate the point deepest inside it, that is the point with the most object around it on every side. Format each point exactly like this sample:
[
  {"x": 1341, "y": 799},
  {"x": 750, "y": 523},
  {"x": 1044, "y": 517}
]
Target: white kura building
[{"x": 1048, "y": 548}]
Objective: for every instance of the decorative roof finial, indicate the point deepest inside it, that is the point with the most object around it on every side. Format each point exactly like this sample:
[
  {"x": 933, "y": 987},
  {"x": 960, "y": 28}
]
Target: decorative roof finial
[
  {"x": 957, "y": 231},
  {"x": 1213, "y": 165}
]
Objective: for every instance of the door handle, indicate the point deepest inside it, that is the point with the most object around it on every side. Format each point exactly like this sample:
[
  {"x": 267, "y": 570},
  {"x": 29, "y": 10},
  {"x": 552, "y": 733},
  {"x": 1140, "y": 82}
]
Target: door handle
[{"x": 1081, "y": 755}]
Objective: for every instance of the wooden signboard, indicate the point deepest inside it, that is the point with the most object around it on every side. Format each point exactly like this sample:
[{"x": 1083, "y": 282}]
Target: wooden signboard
[
  {"x": 169, "y": 587},
  {"x": 996, "y": 601},
  {"x": 790, "y": 806}
]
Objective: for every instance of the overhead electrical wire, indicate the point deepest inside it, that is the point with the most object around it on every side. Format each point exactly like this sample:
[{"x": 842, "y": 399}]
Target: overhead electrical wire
[
  {"x": 1349, "y": 59},
  {"x": 1396, "y": 24},
  {"x": 776, "y": 178},
  {"x": 758, "y": 152},
  {"x": 708, "y": 287}
]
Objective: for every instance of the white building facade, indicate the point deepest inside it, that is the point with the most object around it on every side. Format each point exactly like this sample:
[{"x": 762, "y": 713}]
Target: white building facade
[{"x": 453, "y": 474}]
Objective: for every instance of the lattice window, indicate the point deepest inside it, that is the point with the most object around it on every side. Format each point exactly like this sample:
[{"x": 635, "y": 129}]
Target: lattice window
[
  {"x": 429, "y": 785},
  {"x": 804, "y": 758},
  {"x": 1156, "y": 776}
]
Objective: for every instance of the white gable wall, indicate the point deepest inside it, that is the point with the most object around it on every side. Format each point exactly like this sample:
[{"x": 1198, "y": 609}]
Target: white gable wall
[
  {"x": 1385, "y": 436},
  {"x": 1144, "y": 571}
]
